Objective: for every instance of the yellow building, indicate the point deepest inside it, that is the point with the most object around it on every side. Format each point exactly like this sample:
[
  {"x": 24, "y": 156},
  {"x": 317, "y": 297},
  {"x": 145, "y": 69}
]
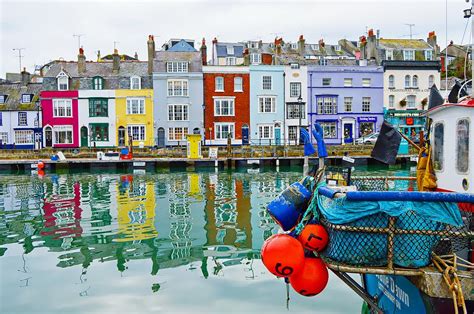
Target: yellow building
[{"x": 134, "y": 112}]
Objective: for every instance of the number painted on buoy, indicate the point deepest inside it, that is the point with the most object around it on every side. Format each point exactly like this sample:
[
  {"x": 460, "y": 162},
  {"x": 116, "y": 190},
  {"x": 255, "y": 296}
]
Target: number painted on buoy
[
  {"x": 285, "y": 271},
  {"x": 308, "y": 245}
]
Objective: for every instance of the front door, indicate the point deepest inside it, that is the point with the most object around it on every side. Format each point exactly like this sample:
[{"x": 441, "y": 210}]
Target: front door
[
  {"x": 48, "y": 135},
  {"x": 121, "y": 136},
  {"x": 84, "y": 142},
  {"x": 277, "y": 136},
  {"x": 348, "y": 136},
  {"x": 161, "y": 138},
  {"x": 245, "y": 134}
]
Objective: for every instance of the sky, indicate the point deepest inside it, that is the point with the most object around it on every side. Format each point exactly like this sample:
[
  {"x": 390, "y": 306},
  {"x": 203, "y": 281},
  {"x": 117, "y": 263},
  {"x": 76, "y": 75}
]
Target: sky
[{"x": 46, "y": 28}]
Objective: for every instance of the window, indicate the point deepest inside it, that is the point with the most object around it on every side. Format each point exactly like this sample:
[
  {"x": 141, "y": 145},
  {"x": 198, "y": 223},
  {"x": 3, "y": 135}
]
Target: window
[
  {"x": 223, "y": 107},
  {"x": 408, "y": 54},
  {"x": 293, "y": 133},
  {"x": 177, "y": 67},
  {"x": 230, "y": 61},
  {"x": 135, "y": 105},
  {"x": 428, "y": 55},
  {"x": 329, "y": 129},
  {"x": 267, "y": 104},
  {"x": 3, "y": 138},
  {"x": 178, "y": 112},
  {"x": 294, "y": 46},
  {"x": 230, "y": 50},
  {"x": 178, "y": 88},
  {"x": 391, "y": 101},
  {"x": 337, "y": 48},
  {"x": 347, "y": 104},
  {"x": 389, "y": 54},
  {"x": 98, "y": 107},
  {"x": 327, "y": 105},
  {"x": 238, "y": 84},
  {"x": 430, "y": 81},
  {"x": 22, "y": 119},
  {"x": 365, "y": 104},
  {"x": 293, "y": 110},
  {"x": 366, "y": 82},
  {"x": 294, "y": 66},
  {"x": 266, "y": 82},
  {"x": 219, "y": 84},
  {"x": 314, "y": 47},
  {"x": 99, "y": 131},
  {"x": 3, "y": 99},
  {"x": 265, "y": 131},
  {"x": 438, "y": 150},
  {"x": 62, "y": 108},
  {"x": 462, "y": 156},
  {"x": 62, "y": 134},
  {"x": 253, "y": 44},
  {"x": 223, "y": 130},
  {"x": 25, "y": 98},
  {"x": 63, "y": 81},
  {"x": 323, "y": 61},
  {"x": 136, "y": 132},
  {"x": 255, "y": 58},
  {"x": 411, "y": 102},
  {"x": 24, "y": 137},
  {"x": 135, "y": 82},
  {"x": 326, "y": 81},
  {"x": 407, "y": 81},
  {"x": 177, "y": 134},
  {"x": 97, "y": 83},
  {"x": 1, "y": 119},
  {"x": 415, "y": 81},
  {"x": 391, "y": 81},
  {"x": 347, "y": 82},
  {"x": 295, "y": 89}
]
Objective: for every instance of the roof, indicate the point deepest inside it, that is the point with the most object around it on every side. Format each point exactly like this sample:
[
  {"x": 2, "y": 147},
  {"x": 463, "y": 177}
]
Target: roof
[
  {"x": 223, "y": 49},
  {"x": 103, "y": 69},
  {"x": 404, "y": 64},
  {"x": 455, "y": 50},
  {"x": 14, "y": 92},
  {"x": 182, "y": 46},
  {"x": 161, "y": 57},
  {"x": 403, "y": 44}
]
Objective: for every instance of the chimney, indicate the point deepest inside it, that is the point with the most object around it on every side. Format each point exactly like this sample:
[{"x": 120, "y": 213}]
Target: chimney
[
  {"x": 81, "y": 62},
  {"x": 363, "y": 48},
  {"x": 98, "y": 56},
  {"x": 204, "y": 52},
  {"x": 371, "y": 48},
  {"x": 246, "y": 56},
  {"x": 321, "y": 43},
  {"x": 432, "y": 42},
  {"x": 378, "y": 33},
  {"x": 25, "y": 77},
  {"x": 214, "y": 51},
  {"x": 116, "y": 62},
  {"x": 136, "y": 56},
  {"x": 301, "y": 46},
  {"x": 151, "y": 53}
]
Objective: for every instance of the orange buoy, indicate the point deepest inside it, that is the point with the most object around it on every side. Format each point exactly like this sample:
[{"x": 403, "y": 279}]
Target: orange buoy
[
  {"x": 40, "y": 165},
  {"x": 312, "y": 279},
  {"x": 283, "y": 255},
  {"x": 41, "y": 174},
  {"x": 314, "y": 237}
]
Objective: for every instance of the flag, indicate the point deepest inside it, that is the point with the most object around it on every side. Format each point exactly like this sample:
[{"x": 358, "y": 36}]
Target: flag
[
  {"x": 387, "y": 144},
  {"x": 435, "y": 99}
]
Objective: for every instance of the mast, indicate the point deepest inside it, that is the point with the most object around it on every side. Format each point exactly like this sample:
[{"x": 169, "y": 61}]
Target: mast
[{"x": 472, "y": 51}]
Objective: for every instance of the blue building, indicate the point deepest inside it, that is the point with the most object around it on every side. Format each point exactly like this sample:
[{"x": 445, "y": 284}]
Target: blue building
[
  {"x": 347, "y": 100},
  {"x": 266, "y": 104}
]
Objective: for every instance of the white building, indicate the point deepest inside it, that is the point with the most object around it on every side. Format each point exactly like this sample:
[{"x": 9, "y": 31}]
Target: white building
[{"x": 296, "y": 96}]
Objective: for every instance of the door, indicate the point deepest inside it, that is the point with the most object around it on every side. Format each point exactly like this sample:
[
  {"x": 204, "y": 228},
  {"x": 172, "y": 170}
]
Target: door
[
  {"x": 245, "y": 134},
  {"x": 348, "y": 134},
  {"x": 84, "y": 141},
  {"x": 121, "y": 136},
  {"x": 161, "y": 138},
  {"x": 277, "y": 136},
  {"x": 48, "y": 135}
]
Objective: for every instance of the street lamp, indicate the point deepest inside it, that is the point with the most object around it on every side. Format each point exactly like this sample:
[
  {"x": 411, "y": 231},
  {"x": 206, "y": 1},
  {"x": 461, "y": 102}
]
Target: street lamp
[{"x": 300, "y": 102}]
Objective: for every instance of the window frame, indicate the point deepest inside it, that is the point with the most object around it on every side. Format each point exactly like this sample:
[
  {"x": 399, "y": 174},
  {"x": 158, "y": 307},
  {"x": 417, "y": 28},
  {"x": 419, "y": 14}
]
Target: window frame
[
  {"x": 103, "y": 126},
  {"x": 407, "y": 80},
  {"x": 326, "y": 81},
  {"x": 391, "y": 81},
  {"x": 295, "y": 93},
  {"x": 26, "y": 98},
  {"x": 406, "y": 53},
  {"x": 348, "y": 82},
  {"x": 414, "y": 101},
  {"x": 221, "y": 124},
  {"x": 230, "y": 60},
  {"x": 218, "y": 104},
  {"x": 365, "y": 103},
  {"x": 22, "y": 118},
  {"x": 271, "y": 131},
  {"x": 238, "y": 78},
  {"x": 172, "y": 113},
  {"x": 438, "y": 160},
  {"x": 264, "y": 104},
  {"x": 4, "y": 138},
  {"x": 62, "y": 76},
  {"x": 177, "y": 67},
  {"x": 467, "y": 149},
  {"x": 348, "y": 105},
  {"x": 183, "y": 90},
  {"x": 62, "y": 128},
  {"x": 323, "y": 107},
  {"x": 103, "y": 102},
  {"x": 129, "y": 105},
  {"x": 135, "y": 77},
  {"x": 430, "y": 80},
  {"x": 219, "y": 86},
  {"x": 391, "y": 101},
  {"x": 26, "y": 134},
  {"x": 184, "y": 130},
  {"x": 324, "y": 125},
  {"x": 389, "y": 54},
  {"x": 140, "y": 127},
  {"x": 255, "y": 58},
  {"x": 414, "y": 80},
  {"x": 97, "y": 83},
  {"x": 366, "y": 82},
  {"x": 67, "y": 102},
  {"x": 293, "y": 110},
  {"x": 429, "y": 52},
  {"x": 268, "y": 84}
]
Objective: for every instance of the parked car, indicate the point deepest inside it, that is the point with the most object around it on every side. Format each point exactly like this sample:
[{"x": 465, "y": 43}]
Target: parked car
[{"x": 368, "y": 139}]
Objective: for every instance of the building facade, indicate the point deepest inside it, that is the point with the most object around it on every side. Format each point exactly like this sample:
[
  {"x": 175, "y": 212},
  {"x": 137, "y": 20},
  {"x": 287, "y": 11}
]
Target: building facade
[
  {"x": 267, "y": 112},
  {"x": 296, "y": 96},
  {"x": 226, "y": 105},
  {"x": 347, "y": 101}
]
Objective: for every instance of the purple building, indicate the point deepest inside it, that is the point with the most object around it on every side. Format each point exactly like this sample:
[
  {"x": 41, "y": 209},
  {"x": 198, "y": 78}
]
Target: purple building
[{"x": 346, "y": 100}]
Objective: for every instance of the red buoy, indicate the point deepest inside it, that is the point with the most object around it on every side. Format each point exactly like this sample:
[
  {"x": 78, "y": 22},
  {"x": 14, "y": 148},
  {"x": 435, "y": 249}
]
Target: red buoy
[
  {"x": 283, "y": 255},
  {"x": 41, "y": 174},
  {"x": 314, "y": 237},
  {"x": 312, "y": 279},
  {"x": 40, "y": 165}
]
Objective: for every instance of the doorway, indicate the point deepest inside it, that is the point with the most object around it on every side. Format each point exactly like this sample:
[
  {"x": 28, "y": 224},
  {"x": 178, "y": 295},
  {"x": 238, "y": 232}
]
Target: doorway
[
  {"x": 48, "y": 135},
  {"x": 121, "y": 136},
  {"x": 84, "y": 137},
  {"x": 161, "y": 138},
  {"x": 277, "y": 134},
  {"x": 245, "y": 134},
  {"x": 348, "y": 133}
]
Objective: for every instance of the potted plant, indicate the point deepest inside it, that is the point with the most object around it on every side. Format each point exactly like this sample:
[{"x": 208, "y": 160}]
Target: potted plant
[{"x": 403, "y": 102}]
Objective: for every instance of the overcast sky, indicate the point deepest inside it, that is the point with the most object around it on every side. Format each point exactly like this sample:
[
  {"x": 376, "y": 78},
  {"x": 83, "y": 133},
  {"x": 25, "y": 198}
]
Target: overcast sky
[{"x": 45, "y": 28}]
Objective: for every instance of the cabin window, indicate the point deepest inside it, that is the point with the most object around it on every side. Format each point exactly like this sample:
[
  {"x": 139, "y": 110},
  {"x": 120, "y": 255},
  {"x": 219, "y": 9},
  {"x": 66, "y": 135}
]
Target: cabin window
[
  {"x": 438, "y": 153},
  {"x": 462, "y": 147}
]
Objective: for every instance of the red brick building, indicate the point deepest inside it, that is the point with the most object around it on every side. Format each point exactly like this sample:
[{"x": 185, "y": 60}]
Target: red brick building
[{"x": 226, "y": 104}]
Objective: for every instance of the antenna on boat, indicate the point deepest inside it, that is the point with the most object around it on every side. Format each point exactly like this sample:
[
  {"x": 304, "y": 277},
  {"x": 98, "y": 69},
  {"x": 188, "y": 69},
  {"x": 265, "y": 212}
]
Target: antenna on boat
[{"x": 467, "y": 15}]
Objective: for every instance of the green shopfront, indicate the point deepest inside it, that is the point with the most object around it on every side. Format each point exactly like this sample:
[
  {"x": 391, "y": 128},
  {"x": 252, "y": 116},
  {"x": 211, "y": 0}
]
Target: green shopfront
[{"x": 409, "y": 122}]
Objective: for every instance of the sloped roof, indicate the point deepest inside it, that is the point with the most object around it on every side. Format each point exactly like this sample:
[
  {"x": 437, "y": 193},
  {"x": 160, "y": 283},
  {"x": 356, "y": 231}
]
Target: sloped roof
[
  {"x": 14, "y": 91},
  {"x": 403, "y": 44},
  {"x": 161, "y": 57},
  {"x": 182, "y": 46},
  {"x": 103, "y": 69}
]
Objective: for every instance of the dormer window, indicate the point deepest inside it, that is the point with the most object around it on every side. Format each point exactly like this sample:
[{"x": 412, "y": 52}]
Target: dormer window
[
  {"x": 389, "y": 54},
  {"x": 177, "y": 67},
  {"x": 337, "y": 48},
  {"x": 408, "y": 54},
  {"x": 294, "y": 46},
  {"x": 135, "y": 82},
  {"x": 253, "y": 44},
  {"x": 3, "y": 99},
  {"x": 428, "y": 55},
  {"x": 230, "y": 50},
  {"x": 323, "y": 61},
  {"x": 63, "y": 81},
  {"x": 255, "y": 58},
  {"x": 314, "y": 47},
  {"x": 26, "y": 98},
  {"x": 295, "y": 66},
  {"x": 98, "y": 83}
]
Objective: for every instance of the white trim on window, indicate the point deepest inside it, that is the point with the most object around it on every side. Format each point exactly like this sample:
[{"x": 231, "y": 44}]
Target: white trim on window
[
  {"x": 178, "y": 88},
  {"x": 136, "y": 105},
  {"x": 135, "y": 82},
  {"x": 267, "y": 83},
  {"x": 224, "y": 107},
  {"x": 63, "y": 134},
  {"x": 266, "y": 131},
  {"x": 177, "y": 66},
  {"x": 178, "y": 112},
  {"x": 220, "y": 134},
  {"x": 63, "y": 81},
  {"x": 238, "y": 84},
  {"x": 62, "y": 108},
  {"x": 267, "y": 104},
  {"x": 219, "y": 84},
  {"x": 137, "y": 132},
  {"x": 173, "y": 134}
]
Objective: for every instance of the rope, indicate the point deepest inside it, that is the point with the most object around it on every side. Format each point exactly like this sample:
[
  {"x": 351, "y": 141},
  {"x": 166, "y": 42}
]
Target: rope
[
  {"x": 312, "y": 209},
  {"x": 451, "y": 278}
]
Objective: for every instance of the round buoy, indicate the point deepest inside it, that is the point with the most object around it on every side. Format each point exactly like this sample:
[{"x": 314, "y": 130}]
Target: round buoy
[
  {"x": 312, "y": 279},
  {"x": 283, "y": 255},
  {"x": 314, "y": 237},
  {"x": 41, "y": 174},
  {"x": 40, "y": 165}
]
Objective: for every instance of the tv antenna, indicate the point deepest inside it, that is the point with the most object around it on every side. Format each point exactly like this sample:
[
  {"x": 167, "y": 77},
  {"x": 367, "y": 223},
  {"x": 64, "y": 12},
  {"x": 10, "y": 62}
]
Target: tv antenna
[
  {"x": 411, "y": 28},
  {"x": 19, "y": 54},
  {"x": 78, "y": 39}
]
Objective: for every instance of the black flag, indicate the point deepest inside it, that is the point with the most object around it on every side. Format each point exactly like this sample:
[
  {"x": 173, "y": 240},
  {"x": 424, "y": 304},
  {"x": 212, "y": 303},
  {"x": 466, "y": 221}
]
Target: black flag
[
  {"x": 435, "y": 99},
  {"x": 388, "y": 142},
  {"x": 453, "y": 94}
]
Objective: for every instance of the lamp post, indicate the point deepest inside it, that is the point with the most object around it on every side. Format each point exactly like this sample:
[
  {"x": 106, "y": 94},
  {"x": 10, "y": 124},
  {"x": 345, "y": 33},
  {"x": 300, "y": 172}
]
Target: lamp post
[{"x": 300, "y": 102}]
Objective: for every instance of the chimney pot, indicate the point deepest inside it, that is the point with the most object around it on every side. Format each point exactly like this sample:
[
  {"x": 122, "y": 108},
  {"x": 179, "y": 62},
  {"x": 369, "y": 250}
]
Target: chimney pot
[
  {"x": 81, "y": 61},
  {"x": 371, "y": 33}
]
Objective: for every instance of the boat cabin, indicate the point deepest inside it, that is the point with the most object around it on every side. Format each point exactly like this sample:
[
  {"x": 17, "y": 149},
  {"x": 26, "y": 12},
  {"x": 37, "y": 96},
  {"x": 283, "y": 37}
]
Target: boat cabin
[{"x": 452, "y": 140}]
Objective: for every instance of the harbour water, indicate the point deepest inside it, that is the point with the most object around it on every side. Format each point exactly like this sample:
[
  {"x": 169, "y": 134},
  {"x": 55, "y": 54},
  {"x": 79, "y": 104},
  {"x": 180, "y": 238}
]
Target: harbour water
[{"x": 161, "y": 242}]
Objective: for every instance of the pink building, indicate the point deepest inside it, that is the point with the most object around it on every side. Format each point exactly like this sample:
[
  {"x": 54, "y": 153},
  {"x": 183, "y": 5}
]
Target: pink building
[{"x": 60, "y": 118}]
